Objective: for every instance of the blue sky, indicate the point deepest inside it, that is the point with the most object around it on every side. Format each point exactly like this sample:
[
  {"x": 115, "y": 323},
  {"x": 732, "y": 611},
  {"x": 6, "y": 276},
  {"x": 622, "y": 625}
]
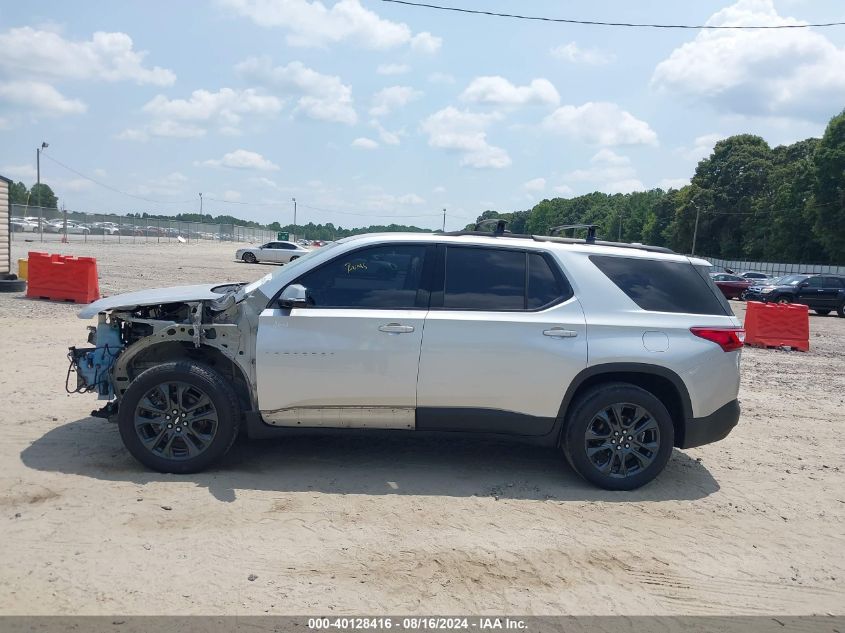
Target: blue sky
[{"x": 369, "y": 112}]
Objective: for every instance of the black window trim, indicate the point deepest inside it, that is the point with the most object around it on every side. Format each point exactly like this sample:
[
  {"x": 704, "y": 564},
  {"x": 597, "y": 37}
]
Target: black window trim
[
  {"x": 426, "y": 277},
  {"x": 439, "y": 278}
]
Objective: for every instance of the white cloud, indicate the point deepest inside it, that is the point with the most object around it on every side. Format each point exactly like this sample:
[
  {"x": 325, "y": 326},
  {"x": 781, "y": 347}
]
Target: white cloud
[
  {"x": 313, "y": 24},
  {"x": 465, "y": 132},
  {"x": 226, "y": 106},
  {"x": 535, "y": 184},
  {"x": 439, "y": 189},
  {"x": 600, "y": 123},
  {"x": 243, "y": 159},
  {"x": 232, "y": 195},
  {"x": 673, "y": 183},
  {"x": 29, "y": 52},
  {"x": 609, "y": 172},
  {"x": 170, "y": 185},
  {"x": 386, "y": 136},
  {"x": 132, "y": 134},
  {"x": 757, "y": 72},
  {"x": 393, "y": 69},
  {"x": 425, "y": 42},
  {"x": 20, "y": 172},
  {"x": 364, "y": 143},
  {"x": 497, "y": 90},
  {"x": 564, "y": 190},
  {"x": 388, "y": 99},
  {"x": 39, "y": 98},
  {"x": 322, "y": 97},
  {"x": 175, "y": 129},
  {"x": 573, "y": 53},
  {"x": 701, "y": 147}
]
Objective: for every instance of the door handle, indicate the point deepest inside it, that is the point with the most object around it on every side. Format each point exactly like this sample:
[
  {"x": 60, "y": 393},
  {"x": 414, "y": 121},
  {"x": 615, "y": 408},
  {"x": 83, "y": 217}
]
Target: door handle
[
  {"x": 559, "y": 332},
  {"x": 396, "y": 328}
]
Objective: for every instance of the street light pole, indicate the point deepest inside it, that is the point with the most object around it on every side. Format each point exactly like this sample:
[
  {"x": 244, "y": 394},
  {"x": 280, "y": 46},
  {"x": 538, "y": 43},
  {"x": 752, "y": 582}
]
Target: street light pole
[
  {"x": 294, "y": 218},
  {"x": 200, "y": 206},
  {"x": 44, "y": 145},
  {"x": 444, "y": 220}
]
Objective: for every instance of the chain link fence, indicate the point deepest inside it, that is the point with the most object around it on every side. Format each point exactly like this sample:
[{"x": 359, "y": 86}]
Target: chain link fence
[{"x": 53, "y": 225}]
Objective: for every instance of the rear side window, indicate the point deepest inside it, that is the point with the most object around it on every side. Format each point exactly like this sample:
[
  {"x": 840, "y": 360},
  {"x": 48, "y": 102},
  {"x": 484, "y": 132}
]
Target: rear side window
[
  {"x": 833, "y": 282},
  {"x": 663, "y": 286},
  {"x": 496, "y": 279}
]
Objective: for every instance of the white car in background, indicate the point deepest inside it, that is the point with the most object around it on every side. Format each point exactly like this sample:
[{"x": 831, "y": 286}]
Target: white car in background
[
  {"x": 276, "y": 252},
  {"x": 20, "y": 225}
]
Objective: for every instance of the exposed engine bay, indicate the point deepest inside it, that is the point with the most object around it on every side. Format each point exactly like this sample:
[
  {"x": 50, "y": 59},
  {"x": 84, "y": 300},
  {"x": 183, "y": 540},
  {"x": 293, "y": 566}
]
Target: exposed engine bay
[{"x": 128, "y": 340}]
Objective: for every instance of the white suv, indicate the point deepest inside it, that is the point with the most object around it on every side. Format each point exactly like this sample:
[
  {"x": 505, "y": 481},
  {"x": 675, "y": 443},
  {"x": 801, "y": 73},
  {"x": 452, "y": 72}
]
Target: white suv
[{"x": 613, "y": 352}]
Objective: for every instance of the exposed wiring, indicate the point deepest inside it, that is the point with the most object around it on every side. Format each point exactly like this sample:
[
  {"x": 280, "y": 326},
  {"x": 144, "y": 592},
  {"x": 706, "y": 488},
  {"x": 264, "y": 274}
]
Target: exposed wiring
[{"x": 620, "y": 24}]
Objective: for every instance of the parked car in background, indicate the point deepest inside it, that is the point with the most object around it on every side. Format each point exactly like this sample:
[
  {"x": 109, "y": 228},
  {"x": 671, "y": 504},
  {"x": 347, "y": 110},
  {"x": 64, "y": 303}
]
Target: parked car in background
[
  {"x": 732, "y": 286},
  {"x": 822, "y": 293},
  {"x": 318, "y": 243},
  {"x": 276, "y": 252},
  {"x": 22, "y": 225},
  {"x": 753, "y": 276},
  {"x": 104, "y": 228}
]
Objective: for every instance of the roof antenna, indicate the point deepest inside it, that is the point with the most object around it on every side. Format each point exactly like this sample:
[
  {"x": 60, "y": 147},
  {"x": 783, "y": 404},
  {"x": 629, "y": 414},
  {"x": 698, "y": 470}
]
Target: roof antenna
[
  {"x": 591, "y": 230},
  {"x": 499, "y": 222}
]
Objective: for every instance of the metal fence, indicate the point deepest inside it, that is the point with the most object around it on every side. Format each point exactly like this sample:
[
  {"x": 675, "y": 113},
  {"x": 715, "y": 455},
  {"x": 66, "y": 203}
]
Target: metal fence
[
  {"x": 774, "y": 269},
  {"x": 48, "y": 225}
]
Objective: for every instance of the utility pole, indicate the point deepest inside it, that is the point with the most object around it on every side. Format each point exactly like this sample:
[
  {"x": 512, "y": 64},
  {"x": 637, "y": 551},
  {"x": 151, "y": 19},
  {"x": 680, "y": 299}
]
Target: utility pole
[
  {"x": 444, "y": 220},
  {"x": 200, "y": 206},
  {"x": 294, "y": 219},
  {"x": 695, "y": 230},
  {"x": 44, "y": 145}
]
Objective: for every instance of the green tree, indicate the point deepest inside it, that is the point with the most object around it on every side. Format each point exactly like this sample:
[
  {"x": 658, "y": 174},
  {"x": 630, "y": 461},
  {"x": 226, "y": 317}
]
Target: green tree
[
  {"x": 829, "y": 188},
  {"x": 18, "y": 193},
  {"x": 42, "y": 195}
]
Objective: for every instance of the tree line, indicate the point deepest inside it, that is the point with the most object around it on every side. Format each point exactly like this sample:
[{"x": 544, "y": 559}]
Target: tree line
[{"x": 752, "y": 202}]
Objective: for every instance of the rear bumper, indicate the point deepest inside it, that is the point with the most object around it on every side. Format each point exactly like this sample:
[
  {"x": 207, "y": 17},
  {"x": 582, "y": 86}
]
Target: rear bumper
[{"x": 711, "y": 428}]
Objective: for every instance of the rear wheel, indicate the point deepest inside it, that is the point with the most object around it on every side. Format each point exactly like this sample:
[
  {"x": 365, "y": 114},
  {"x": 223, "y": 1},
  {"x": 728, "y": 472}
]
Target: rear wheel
[
  {"x": 822, "y": 312},
  {"x": 618, "y": 436},
  {"x": 249, "y": 258},
  {"x": 841, "y": 310},
  {"x": 179, "y": 417}
]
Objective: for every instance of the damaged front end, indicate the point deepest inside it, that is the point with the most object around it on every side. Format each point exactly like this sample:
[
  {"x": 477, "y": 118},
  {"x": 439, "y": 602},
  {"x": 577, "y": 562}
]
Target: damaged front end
[{"x": 134, "y": 333}]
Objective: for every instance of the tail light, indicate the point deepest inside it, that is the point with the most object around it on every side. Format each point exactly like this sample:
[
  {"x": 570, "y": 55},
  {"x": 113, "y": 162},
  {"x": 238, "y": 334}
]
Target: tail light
[{"x": 729, "y": 339}]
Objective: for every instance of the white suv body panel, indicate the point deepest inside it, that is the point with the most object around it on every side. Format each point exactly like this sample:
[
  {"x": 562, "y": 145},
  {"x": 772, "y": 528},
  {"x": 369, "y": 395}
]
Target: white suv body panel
[{"x": 501, "y": 360}]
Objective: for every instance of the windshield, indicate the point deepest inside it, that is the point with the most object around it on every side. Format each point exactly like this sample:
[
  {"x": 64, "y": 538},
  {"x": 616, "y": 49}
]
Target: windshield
[
  {"x": 293, "y": 264},
  {"x": 788, "y": 280}
]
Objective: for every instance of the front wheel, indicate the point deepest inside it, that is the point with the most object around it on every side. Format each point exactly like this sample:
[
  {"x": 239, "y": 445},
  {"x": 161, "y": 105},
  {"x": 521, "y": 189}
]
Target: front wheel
[
  {"x": 179, "y": 417},
  {"x": 822, "y": 312},
  {"x": 783, "y": 300},
  {"x": 618, "y": 436},
  {"x": 249, "y": 258}
]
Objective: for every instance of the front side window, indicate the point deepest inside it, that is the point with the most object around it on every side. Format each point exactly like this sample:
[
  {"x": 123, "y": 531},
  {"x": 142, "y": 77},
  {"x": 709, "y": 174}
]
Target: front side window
[
  {"x": 815, "y": 282},
  {"x": 380, "y": 277}
]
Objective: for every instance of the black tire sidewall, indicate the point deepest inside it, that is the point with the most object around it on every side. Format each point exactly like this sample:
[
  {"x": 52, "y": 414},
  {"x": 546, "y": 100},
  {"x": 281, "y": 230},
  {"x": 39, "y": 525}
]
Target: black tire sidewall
[
  {"x": 202, "y": 376},
  {"x": 841, "y": 310},
  {"x": 582, "y": 412},
  {"x": 249, "y": 258}
]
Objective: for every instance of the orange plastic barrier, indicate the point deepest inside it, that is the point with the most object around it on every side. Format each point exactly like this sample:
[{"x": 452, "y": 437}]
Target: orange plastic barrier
[
  {"x": 62, "y": 278},
  {"x": 777, "y": 325}
]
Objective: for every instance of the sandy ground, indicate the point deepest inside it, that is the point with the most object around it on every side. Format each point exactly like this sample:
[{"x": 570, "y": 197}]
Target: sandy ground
[{"x": 752, "y": 525}]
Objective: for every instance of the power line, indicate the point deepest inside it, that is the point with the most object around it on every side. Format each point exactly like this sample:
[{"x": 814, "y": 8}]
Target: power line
[
  {"x": 622, "y": 24},
  {"x": 110, "y": 188},
  {"x": 369, "y": 214}
]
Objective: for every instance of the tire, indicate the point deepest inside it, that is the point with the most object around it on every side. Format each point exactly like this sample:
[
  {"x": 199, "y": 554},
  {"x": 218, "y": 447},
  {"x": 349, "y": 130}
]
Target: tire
[
  {"x": 293, "y": 258},
  {"x": 841, "y": 310},
  {"x": 782, "y": 300},
  {"x": 591, "y": 413},
  {"x": 11, "y": 283},
  {"x": 168, "y": 443},
  {"x": 822, "y": 312},
  {"x": 249, "y": 258}
]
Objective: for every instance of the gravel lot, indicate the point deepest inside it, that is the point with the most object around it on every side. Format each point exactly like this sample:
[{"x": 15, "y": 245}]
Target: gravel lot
[{"x": 349, "y": 524}]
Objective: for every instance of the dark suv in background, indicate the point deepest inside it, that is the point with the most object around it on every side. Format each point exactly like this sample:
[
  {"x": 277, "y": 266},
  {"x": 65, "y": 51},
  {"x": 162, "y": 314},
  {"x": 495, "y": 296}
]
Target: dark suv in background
[{"x": 822, "y": 293}]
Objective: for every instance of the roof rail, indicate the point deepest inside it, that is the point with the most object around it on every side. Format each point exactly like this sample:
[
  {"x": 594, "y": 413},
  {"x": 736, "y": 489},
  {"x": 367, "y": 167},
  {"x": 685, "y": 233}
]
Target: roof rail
[{"x": 591, "y": 231}]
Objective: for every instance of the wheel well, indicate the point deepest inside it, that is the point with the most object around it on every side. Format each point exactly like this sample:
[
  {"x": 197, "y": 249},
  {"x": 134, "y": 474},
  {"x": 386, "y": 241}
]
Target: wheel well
[
  {"x": 661, "y": 387},
  {"x": 180, "y": 350}
]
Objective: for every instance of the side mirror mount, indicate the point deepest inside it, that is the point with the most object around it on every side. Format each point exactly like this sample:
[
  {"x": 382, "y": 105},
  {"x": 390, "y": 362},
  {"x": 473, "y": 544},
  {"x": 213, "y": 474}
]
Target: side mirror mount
[{"x": 294, "y": 296}]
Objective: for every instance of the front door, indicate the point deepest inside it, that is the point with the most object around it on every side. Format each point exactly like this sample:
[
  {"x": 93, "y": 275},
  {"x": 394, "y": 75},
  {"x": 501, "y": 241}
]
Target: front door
[
  {"x": 811, "y": 292},
  {"x": 504, "y": 338},
  {"x": 350, "y": 358}
]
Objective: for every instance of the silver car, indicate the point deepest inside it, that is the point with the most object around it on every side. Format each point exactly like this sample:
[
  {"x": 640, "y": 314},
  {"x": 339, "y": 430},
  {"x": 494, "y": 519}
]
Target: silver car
[{"x": 275, "y": 252}]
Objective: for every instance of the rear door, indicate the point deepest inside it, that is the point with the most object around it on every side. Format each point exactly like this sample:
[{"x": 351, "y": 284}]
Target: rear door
[{"x": 503, "y": 340}]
